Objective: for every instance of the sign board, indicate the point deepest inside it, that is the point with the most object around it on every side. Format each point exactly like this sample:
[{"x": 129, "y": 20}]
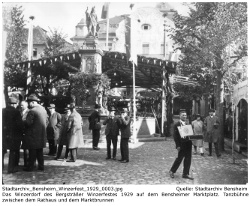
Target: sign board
[{"x": 186, "y": 130}]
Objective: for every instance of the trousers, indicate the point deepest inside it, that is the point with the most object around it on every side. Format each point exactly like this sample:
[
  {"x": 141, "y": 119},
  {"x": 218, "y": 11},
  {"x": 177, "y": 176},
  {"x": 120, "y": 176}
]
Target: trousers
[
  {"x": 186, "y": 153},
  {"x": 215, "y": 146},
  {"x": 52, "y": 146},
  {"x": 110, "y": 139},
  {"x": 59, "y": 151},
  {"x": 124, "y": 149},
  {"x": 95, "y": 137},
  {"x": 36, "y": 154}
]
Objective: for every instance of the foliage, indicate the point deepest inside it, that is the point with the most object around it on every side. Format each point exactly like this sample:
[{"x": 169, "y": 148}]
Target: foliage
[
  {"x": 56, "y": 44},
  {"x": 82, "y": 82},
  {"x": 213, "y": 38},
  {"x": 58, "y": 77},
  {"x": 13, "y": 24},
  {"x": 187, "y": 92}
]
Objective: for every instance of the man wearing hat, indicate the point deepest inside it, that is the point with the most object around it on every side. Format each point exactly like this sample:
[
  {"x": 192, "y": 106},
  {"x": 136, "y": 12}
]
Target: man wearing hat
[
  {"x": 94, "y": 125},
  {"x": 12, "y": 134},
  {"x": 63, "y": 134},
  {"x": 212, "y": 132},
  {"x": 53, "y": 129},
  {"x": 74, "y": 133},
  {"x": 184, "y": 148},
  {"x": 124, "y": 125},
  {"x": 111, "y": 132},
  {"x": 35, "y": 133}
]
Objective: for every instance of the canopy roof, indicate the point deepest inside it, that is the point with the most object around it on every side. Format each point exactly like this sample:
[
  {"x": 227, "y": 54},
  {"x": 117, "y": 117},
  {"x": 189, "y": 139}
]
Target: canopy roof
[{"x": 148, "y": 72}]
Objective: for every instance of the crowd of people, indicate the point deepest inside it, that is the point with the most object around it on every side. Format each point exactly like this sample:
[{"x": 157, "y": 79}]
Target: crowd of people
[
  {"x": 209, "y": 132},
  {"x": 28, "y": 126}
]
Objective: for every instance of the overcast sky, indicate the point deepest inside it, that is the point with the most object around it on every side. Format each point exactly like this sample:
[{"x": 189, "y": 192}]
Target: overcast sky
[{"x": 65, "y": 15}]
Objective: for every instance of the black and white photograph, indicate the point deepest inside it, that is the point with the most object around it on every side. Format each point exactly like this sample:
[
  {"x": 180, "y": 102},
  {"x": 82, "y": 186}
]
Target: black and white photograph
[{"x": 99, "y": 98}]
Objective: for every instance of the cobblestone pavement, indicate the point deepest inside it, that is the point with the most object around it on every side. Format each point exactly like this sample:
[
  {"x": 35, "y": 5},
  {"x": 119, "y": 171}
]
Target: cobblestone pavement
[{"x": 149, "y": 164}]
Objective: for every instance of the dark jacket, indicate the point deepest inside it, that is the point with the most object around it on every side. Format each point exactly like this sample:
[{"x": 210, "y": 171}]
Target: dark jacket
[
  {"x": 124, "y": 126},
  {"x": 93, "y": 119},
  {"x": 177, "y": 137},
  {"x": 11, "y": 128},
  {"x": 36, "y": 137},
  {"x": 53, "y": 129},
  {"x": 75, "y": 137},
  {"x": 111, "y": 129},
  {"x": 63, "y": 130}
]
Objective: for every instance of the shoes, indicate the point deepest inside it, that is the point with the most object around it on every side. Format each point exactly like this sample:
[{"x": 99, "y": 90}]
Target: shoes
[
  {"x": 96, "y": 148},
  {"x": 219, "y": 155},
  {"x": 56, "y": 158},
  {"x": 26, "y": 169},
  {"x": 114, "y": 158},
  {"x": 121, "y": 160},
  {"x": 125, "y": 161},
  {"x": 187, "y": 177},
  {"x": 108, "y": 158},
  {"x": 70, "y": 161},
  {"x": 41, "y": 168},
  {"x": 171, "y": 174},
  {"x": 202, "y": 154}
]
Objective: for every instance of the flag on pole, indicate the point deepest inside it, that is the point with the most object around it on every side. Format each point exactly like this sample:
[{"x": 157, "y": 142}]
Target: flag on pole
[
  {"x": 30, "y": 42},
  {"x": 130, "y": 29},
  {"x": 105, "y": 11}
]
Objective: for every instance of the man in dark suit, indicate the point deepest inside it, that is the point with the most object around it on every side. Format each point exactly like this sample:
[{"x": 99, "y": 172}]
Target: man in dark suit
[
  {"x": 53, "y": 129},
  {"x": 184, "y": 148},
  {"x": 124, "y": 125},
  {"x": 35, "y": 136},
  {"x": 111, "y": 132},
  {"x": 12, "y": 133},
  {"x": 94, "y": 120}
]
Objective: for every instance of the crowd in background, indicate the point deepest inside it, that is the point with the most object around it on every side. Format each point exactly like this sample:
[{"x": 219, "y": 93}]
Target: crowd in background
[{"x": 28, "y": 126}]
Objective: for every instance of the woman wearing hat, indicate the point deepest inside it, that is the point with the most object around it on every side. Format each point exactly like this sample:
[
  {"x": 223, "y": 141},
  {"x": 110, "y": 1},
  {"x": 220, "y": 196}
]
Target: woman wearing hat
[
  {"x": 211, "y": 127},
  {"x": 198, "y": 130}
]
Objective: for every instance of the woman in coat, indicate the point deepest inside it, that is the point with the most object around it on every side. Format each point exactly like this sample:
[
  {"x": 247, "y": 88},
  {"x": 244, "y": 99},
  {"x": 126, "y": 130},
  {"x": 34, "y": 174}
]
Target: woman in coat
[
  {"x": 198, "y": 130},
  {"x": 74, "y": 133}
]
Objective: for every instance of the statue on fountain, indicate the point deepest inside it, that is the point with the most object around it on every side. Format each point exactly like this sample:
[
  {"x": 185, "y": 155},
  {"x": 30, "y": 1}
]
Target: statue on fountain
[{"x": 92, "y": 22}]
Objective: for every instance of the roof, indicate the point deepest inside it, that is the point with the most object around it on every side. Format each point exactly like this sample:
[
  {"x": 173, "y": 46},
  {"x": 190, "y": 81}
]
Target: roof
[
  {"x": 148, "y": 72},
  {"x": 114, "y": 20},
  {"x": 39, "y": 36}
]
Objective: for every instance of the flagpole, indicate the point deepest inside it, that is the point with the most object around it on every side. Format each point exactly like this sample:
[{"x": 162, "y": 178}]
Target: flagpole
[
  {"x": 107, "y": 31},
  {"x": 134, "y": 106},
  {"x": 30, "y": 53}
]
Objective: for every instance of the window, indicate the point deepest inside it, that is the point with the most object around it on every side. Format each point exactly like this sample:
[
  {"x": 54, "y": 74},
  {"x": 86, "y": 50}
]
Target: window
[
  {"x": 146, "y": 27},
  {"x": 162, "y": 48},
  {"x": 34, "y": 52},
  {"x": 145, "y": 48}
]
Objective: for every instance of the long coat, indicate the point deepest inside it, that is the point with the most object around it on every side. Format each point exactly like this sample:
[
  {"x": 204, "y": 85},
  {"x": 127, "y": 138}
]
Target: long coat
[
  {"x": 124, "y": 125},
  {"x": 75, "y": 136},
  {"x": 53, "y": 129},
  {"x": 93, "y": 119},
  {"x": 111, "y": 129},
  {"x": 11, "y": 128},
  {"x": 63, "y": 131},
  {"x": 36, "y": 137},
  {"x": 212, "y": 133},
  {"x": 198, "y": 130}
]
